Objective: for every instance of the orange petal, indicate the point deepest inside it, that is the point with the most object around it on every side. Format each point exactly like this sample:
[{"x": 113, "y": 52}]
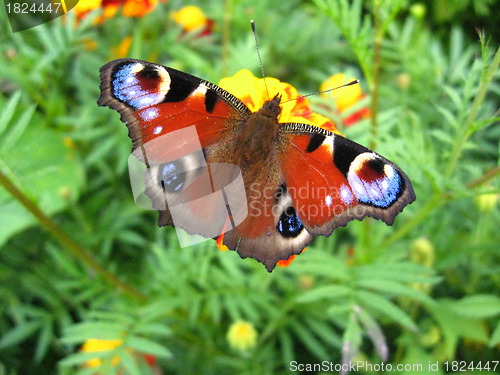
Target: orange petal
[
  {"x": 138, "y": 8},
  {"x": 220, "y": 240},
  {"x": 287, "y": 262}
]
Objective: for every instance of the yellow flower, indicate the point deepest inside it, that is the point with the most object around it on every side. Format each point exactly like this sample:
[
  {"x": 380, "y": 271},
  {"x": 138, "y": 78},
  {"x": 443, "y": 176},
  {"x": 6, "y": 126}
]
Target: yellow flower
[
  {"x": 252, "y": 91},
  {"x": 84, "y": 6},
  {"x": 345, "y": 98},
  {"x": 190, "y": 18},
  {"x": 96, "y": 345},
  {"x": 242, "y": 336}
]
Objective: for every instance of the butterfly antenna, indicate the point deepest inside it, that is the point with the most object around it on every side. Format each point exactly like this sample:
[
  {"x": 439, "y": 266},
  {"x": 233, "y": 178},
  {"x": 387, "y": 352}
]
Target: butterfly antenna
[
  {"x": 322, "y": 92},
  {"x": 252, "y": 23}
]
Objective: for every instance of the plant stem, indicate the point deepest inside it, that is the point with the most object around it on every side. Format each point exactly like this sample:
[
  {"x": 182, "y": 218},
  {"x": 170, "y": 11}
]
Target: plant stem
[
  {"x": 376, "y": 74},
  {"x": 375, "y": 84},
  {"x": 486, "y": 78},
  {"x": 484, "y": 178},
  {"x": 66, "y": 242}
]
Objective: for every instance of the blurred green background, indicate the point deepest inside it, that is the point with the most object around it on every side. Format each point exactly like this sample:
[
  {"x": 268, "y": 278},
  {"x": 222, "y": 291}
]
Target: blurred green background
[{"x": 81, "y": 264}]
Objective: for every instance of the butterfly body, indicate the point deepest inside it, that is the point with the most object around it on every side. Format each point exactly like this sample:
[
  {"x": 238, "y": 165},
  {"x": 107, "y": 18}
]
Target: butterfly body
[
  {"x": 299, "y": 180},
  {"x": 252, "y": 144}
]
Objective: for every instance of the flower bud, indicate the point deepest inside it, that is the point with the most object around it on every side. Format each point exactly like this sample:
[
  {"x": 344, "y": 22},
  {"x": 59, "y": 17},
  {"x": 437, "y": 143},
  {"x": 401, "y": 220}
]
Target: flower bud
[
  {"x": 422, "y": 252},
  {"x": 242, "y": 336}
]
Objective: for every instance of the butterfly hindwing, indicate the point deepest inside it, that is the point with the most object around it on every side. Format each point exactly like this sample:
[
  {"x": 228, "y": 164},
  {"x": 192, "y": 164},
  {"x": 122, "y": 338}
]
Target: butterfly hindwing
[
  {"x": 327, "y": 181},
  {"x": 334, "y": 180},
  {"x": 281, "y": 233}
]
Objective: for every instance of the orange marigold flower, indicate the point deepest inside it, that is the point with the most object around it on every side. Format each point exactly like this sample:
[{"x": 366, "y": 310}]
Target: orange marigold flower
[
  {"x": 131, "y": 8},
  {"x": 252, "y": 91},
  {"x": 345, "y": 98},
  {"x": 192, "y": 18},
  {"x": 138, "y": 8}
]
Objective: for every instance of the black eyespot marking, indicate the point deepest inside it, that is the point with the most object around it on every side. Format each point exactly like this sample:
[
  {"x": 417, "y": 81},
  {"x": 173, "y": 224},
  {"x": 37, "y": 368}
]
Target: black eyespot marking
[
  {"x": 376, "y": 165},
  {"x": 149, "y": 72},
  {"x": 315, "y": 142},
  {"x": 344, "y": 153},
  {"x": 171, "y": 179},
  {"x": 210, "y": 100},
  {"x": 289, "y": 224}
]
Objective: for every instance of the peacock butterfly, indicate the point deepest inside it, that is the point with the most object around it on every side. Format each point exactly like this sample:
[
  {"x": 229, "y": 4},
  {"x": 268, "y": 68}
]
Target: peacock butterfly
[{"x": 273, "y": 186}]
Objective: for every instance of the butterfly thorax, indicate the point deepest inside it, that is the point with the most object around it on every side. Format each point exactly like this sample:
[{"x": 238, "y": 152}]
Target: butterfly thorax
[
  {"x": 256, "y": 139},
  {"x": 251, "y": 143}
]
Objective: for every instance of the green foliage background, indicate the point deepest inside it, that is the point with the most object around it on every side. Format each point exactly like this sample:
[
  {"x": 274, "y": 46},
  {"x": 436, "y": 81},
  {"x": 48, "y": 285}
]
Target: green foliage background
[{"x": 79, "y": 260}]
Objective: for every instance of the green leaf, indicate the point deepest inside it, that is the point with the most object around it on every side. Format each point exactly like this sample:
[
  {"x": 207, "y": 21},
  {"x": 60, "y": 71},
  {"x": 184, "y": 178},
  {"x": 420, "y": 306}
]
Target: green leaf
[
  {"x": 455, "y": 326},
  {"x": 309, "y": 340},
  {"x": 8, "y": 111},
  {"x": 18, "y": 334},
  {"x": 397, "y": 271},
  {"x": 478, "y": 306},
  {"x": 81, "y": 357},
  {"x": 286, "y": 345},
  {"x": 495, "y": 336},
  {"x": 375, "y": 302},
  {"x": 327, "y": 292},
  {"x": 128, "y": 363},
  {"x": 147, "y": 346},
  {"x": 394, "y": 289},
  {"x": 321, "y": 264},
  {"x": 44, "y": 339},
  {"x": 351, "y": 341},
  {"x": 99, "y": 330},
  {"x": 154, "y": 329},
  {"x": 45, "y": 170}
]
